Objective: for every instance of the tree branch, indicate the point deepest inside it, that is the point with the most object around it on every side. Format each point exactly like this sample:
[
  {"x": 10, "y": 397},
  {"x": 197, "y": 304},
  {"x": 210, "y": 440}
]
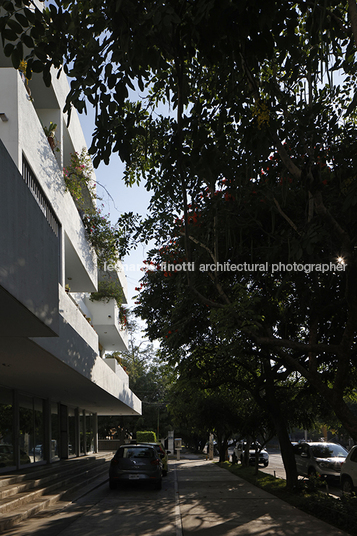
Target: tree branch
[
  {"x": 285, "y": 216},
  {"x": 201, "y": 245}
]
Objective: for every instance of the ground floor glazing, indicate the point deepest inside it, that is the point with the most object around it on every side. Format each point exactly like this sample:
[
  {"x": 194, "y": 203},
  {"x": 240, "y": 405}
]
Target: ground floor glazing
[{"x": 34, "y": 430}]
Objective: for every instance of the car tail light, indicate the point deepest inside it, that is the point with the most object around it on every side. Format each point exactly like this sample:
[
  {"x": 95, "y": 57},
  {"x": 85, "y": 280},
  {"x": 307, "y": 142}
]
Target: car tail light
[
  {"x": 114, "y": 461},
  {"x": 155, "y": 462}
]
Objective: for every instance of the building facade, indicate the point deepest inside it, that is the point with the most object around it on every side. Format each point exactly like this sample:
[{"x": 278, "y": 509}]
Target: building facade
[{"x": 54, "y": 378}]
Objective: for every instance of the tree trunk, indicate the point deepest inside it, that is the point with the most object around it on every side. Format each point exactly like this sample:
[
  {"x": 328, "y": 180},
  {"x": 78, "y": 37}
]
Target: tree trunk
[
  {"x": 223, "y": 446},
  {"x": 288, "y": 456},
  {"x": 278, "y": 419}
]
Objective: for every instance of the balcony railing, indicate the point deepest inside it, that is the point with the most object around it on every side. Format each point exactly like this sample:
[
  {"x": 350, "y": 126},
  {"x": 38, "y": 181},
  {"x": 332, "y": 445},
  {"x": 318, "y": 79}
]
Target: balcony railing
[{"x": 41, "y": 199}]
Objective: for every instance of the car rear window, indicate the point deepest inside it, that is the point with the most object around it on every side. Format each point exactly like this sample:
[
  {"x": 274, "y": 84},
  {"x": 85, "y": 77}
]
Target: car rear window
[{"x": 135, "y": 452}]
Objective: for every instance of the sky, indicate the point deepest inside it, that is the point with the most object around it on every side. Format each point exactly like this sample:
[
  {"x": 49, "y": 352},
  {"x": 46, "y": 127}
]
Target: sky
[{"x": 125, "y": 199}]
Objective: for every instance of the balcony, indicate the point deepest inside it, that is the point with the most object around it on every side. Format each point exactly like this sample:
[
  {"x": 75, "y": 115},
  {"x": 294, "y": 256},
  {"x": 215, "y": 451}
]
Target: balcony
[
  {"x": 105, "y": 320},
  {"x": 115, "y": 275},
  {"x": 73, "y": 316}
]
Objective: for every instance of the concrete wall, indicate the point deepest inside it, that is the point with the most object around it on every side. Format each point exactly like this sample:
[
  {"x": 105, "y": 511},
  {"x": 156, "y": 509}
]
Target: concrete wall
[
  {"x": 29, "y": 259},
  {"x": 22, "y": 135}
]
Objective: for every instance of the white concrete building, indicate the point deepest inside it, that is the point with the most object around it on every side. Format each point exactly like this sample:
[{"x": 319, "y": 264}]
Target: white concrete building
[{"x": 54, "y": 381}]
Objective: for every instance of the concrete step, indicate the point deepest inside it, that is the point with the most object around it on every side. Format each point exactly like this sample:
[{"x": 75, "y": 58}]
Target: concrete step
[
  {"x": 36, "y": 471},
  {"x": 45, "y": 491},
  {"x": 43, "y": 477}
]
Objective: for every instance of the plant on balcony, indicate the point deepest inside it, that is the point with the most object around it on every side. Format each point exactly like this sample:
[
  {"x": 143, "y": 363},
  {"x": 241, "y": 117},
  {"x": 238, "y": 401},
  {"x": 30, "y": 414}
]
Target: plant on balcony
[
  {"x": 123, "y": 317},
  {"x": 50, "y": 132},
  {"x": 22, "y": 70},
  {"x": 77, "y": 177},
  {"x": 106, "y": 291},
  {"x": 102, "y": 235}
]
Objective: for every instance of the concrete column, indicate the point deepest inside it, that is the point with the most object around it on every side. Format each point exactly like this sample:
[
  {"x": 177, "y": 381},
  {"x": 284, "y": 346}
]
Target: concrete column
[
  {"x": 84, "y": 431},
  {"x": 95, "y": 432},
  {"x": 77, "y": 448}
]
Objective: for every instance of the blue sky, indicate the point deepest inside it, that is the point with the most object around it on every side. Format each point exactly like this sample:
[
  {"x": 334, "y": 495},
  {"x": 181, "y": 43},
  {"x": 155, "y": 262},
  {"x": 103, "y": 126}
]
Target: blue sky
[{"x": 125, "y": 199}]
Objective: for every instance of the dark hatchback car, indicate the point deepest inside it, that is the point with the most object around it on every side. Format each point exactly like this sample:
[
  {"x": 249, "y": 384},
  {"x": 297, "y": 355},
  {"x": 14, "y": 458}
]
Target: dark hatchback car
[{"x": 135, "y": 463}]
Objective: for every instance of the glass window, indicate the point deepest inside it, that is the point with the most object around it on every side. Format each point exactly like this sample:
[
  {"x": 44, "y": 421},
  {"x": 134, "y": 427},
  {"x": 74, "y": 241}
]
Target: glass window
[
  {"x": 90, "y": 432},
  {"x": 6, "y": 425},
  {"x": 354, "y": 455},
  {"x": 26, "y": 435},
  {"x": 328, "y": 450},
  {"x": 55, "y": 432},
  {"x": 135, "y": 452},
  {"x": 38, "y": 450}
]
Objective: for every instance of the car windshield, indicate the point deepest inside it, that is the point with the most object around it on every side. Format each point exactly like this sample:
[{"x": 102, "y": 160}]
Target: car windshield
[{"x": 328, "y": 451}]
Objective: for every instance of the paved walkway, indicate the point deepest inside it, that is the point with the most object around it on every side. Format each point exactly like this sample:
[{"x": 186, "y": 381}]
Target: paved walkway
[
  {"x": 214, "y": 502},
  {"x": 198, "y": 498}
]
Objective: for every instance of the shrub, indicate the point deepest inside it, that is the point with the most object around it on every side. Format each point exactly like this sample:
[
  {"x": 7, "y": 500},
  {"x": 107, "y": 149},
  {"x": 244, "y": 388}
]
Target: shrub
[{"x": 146, "y": 437}]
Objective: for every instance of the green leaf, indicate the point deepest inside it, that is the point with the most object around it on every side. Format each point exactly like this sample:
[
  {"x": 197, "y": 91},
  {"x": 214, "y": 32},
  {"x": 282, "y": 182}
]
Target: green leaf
[
  {"x": 15, "y": 26},
  {"x": 30, "y": 15},
  {"x": 47, "y": 77},
  {"x": 27, "y": 40},
  {"x": 16, "y": 58},
  {"x": 352, "y": 105},
  {"x": 37, "y": 66},
  {"x": 20, "y": 17},
  {"x": 8, "y": 6},
  {"x": 8, "y": 49},
  {"x": 9, "y": 35}
]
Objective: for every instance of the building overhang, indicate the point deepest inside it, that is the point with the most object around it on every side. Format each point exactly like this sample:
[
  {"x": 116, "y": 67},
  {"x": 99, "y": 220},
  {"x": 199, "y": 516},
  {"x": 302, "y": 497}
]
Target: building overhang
[{"x": 88, "y": 384}]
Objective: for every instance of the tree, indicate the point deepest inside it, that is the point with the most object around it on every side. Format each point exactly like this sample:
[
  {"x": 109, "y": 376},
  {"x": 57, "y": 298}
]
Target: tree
[
  {"x": 149, "y": 379},
  {"x": 260, "y": 148}
]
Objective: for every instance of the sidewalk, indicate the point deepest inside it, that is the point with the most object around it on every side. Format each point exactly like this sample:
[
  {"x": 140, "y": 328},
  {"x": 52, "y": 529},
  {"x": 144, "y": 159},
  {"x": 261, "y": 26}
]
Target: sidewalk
[{"x": 214, "y": 502}]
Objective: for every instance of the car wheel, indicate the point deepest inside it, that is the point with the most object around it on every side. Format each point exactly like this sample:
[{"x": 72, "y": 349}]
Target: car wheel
[
  {"x": 266, "y": 464},
  {"x": 241, "y": 458},
  {"x": 234, "y": 458},
  {"x": 311, "y": 472},
  {"x": 112, "y": 484},
  {"x": 347, "y": 485}
]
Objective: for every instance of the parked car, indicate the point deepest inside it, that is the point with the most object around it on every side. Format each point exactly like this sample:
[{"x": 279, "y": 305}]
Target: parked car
[
  {"x": 163, "y": 455},
  {"x": 37, "y": 450},
  {"x": 319, "y": 458},
  {"x": 263, "y": 454},
  {"x": 348, "y": 477},
  {"x": 135, "y": 463}
]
